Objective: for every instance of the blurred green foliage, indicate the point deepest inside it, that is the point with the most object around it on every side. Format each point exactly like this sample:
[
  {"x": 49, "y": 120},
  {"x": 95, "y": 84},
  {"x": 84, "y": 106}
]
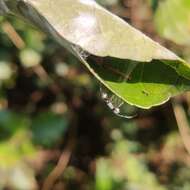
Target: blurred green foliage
[
  {"x": 48, "y": 128},
  {"x": 173, "y": 24},
  {"x": 47, "y": 98}
]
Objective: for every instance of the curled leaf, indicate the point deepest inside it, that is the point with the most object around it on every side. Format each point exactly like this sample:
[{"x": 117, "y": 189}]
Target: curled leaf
[{"x": 132, "y": 66}]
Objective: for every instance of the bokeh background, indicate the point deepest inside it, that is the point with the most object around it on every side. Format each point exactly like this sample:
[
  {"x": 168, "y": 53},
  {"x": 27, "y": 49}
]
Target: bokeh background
[{"x": 57, "y": 133}]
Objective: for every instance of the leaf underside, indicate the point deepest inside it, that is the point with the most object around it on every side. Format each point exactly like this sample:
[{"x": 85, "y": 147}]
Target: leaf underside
[{"x": 147, "y": 85}]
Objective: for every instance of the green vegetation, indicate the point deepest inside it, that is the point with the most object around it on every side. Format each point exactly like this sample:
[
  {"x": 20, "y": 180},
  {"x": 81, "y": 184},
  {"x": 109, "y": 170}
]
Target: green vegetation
[{"x": 51, "y": 110}]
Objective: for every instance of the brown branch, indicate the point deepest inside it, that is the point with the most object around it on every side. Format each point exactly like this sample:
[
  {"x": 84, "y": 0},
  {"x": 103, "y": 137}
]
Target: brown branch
[
  {"x": 13, "y": 35},
  {"x": 183, "y": 123},
  {"x": 60, "y": 167}
]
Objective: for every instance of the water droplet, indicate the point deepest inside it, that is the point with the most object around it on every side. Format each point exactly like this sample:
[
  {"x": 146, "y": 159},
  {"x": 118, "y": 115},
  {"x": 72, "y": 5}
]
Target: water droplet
[
  {"x": 116, "y": 104},
  {"x": 104, "y": 96},
  {"x": 84, "y": 54}
]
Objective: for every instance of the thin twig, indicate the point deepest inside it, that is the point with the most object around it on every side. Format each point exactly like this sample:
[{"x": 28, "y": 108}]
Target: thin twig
[
  {"x": 13, "y": 35},
  {"x": 183, "y": 123},
  {"x": 60, "y": 167}
]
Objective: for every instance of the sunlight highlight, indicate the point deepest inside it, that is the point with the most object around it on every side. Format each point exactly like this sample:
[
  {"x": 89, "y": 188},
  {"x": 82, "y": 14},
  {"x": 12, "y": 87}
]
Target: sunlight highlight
[
  {"x": 84, "y": 26},
  {"x": 87, "y": 2}
]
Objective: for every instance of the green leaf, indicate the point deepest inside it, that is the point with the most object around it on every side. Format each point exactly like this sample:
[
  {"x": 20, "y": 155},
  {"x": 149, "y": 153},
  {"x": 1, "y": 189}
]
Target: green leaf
[
  {"x": 48, "y": 128},
  {"x": 172, "y": 24},
  {"x": 135, "y": 68}
]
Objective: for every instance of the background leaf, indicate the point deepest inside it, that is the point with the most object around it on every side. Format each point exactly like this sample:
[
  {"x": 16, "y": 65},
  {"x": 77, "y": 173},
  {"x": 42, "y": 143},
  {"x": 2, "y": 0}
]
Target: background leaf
[
  {"x": 48, "y": 128},
  {"x": 172, "y": 24}
]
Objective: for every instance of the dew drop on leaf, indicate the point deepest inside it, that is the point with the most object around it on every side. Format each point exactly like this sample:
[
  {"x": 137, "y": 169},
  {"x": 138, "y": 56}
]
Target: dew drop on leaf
[
  {"x": 116, "y": 105},
  {"x": 83, "y": 54}
]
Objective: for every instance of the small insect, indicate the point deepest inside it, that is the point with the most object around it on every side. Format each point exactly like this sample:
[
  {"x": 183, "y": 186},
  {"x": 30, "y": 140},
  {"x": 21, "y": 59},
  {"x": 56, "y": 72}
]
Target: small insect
[
  {"x": 110, "y": 104},
  {"x": 145, "y": 92}
]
